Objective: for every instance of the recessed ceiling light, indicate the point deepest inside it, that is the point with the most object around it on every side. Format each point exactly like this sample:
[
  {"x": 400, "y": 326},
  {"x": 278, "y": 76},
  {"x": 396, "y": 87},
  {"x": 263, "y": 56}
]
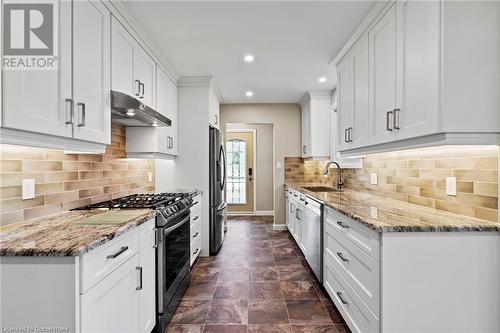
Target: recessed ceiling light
[
  {"x": 130, "y": 112},
  {"x": 249, "y": 93},
  {"x": 322, "y": 79},
  {"x": 249, "y": 58}
]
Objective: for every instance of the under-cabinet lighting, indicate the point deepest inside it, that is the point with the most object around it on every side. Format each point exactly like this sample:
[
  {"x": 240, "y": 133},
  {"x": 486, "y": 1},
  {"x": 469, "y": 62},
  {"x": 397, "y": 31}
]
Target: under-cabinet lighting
[{"x": 249, "y": 58}]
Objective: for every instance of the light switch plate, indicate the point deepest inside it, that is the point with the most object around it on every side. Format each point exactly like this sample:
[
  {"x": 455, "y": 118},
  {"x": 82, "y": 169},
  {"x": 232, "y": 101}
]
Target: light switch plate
[
  {"x": 373, "y": 178},
  {"x": 28, "y": 189},
  {"x": 278, "y": 165},
  {"x": 451, "y": 186}
]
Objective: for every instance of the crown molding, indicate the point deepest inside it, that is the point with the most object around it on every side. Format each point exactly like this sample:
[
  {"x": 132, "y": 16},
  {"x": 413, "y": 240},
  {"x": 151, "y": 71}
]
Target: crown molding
[
  {"x": 362, "y": 27},
  {"x": 200, "y": 81},
  {"x": 315, "y": 94},
  {"x": 120, "y": 10}
]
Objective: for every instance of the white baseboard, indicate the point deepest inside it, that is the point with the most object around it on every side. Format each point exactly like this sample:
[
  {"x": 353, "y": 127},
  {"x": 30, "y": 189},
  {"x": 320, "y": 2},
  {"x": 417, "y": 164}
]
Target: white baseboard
[
  {"x": 264, "y": 212},
  {"x": 279, "y": 227},
  {"x": 256, "y": 213}
]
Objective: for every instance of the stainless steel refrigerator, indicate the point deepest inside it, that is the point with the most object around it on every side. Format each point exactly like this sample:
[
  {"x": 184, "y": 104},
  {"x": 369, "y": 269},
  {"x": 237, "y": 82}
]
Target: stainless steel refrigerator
[{"x": 217, "y": 170}]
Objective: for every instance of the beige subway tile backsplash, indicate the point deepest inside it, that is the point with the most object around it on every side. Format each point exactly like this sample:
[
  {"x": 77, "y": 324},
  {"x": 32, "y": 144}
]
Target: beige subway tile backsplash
[
  {"x": 67, "y": 181},
  {"x": 418, "y": 176}
]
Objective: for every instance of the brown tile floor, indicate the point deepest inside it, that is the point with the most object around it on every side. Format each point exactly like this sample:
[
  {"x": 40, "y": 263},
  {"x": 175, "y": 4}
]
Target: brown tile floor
[{"x": 258, "y": 283}]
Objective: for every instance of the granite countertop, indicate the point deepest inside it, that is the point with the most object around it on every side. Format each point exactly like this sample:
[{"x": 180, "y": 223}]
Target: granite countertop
[
  {"x": 57, "y": 235},
  {"x": 389, "y": 215}
]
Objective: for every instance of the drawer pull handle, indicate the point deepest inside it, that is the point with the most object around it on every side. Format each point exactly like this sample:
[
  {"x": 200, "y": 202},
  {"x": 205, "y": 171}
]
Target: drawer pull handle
[
  {"x": 195, "y": 234},
  {"x": 195, "y": 218},
  {"x": 196, "y": 251},
  {"x": 139, "y": 268},
  {"x": 339, "y": 294},
  {"x": 341, "y": 256},
  {"x": 120, "y": 251},
  {"x": 340, "y": 223},
  {"x": 195, "y": 203}
]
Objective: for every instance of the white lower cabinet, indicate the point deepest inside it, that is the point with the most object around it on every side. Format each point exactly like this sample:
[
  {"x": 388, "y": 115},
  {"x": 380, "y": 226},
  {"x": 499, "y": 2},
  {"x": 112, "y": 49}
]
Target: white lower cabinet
[
  {"x": 408, "y": 281},
  {"x": 120, "y": 299},
  {"x": 195, "y": 228},
  {"x": 147, "y": 293},
  {"x": 112, "y": 305}
]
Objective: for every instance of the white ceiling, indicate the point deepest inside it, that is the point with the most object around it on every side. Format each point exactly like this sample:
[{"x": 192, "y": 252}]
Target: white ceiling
[{"x": 292, "y": 42}]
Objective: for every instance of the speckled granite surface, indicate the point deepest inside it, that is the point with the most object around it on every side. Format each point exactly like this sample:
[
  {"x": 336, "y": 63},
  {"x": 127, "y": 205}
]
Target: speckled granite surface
[
  {"x": 56, "y": 235},
  {"x": 393, "y": 215}
]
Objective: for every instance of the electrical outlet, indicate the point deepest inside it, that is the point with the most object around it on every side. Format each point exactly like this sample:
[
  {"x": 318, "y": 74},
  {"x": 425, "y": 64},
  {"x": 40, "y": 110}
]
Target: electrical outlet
[
  {"x": 278, "y": 165},
  {"x": 28, "y": 189},
  {"x": 451, "y": 186},
  {"x": 373, "y": 178},
  {"x": 150, "y": 176},
  {"x": 374, "y": 212}
]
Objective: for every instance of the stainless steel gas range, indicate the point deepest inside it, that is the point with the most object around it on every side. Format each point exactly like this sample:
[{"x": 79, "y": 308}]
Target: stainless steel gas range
[{"x": 172, "y": 242}]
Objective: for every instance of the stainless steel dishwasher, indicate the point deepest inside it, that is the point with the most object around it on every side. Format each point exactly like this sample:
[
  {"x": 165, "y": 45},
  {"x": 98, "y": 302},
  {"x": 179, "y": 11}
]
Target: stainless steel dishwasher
[{"x": 310, "y": 216}]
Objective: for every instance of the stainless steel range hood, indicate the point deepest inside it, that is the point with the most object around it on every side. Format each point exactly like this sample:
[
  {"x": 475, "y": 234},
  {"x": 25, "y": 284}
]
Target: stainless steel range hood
[{"x": 128, "y": 111}]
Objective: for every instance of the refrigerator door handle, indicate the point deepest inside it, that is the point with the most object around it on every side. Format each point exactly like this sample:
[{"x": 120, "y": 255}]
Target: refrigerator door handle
[
  {"x": 222, "y": 206},
  {"x": 223, "y": 176}
]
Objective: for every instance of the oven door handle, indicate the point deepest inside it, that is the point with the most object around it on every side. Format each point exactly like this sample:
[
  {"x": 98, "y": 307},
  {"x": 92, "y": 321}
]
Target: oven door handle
[{"x": 172, "y": 228}]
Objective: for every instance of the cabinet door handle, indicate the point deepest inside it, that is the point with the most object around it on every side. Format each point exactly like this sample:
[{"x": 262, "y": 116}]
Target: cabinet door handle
[
  {"x": 195, "y": 218},
  {"x": 349, "y": 134},
  {"x": 340, "y": 223},
  {"x": 195, "y": 234},
  {"x": 81, "y": 106},
  {"x": 195, "y": 203},
  {"x": 196, "y": 251},
  {"x": 341, "y": 256},
  {"x": 345, "y": 135},
  {"x": 339, "y": 294},
  {"x": 138, "y": 90},
  {"x": 141, "y": 90},
  {"x": 69, "y": 102},
  {"x": 216, "y": 119},
  {"x": 117, "y": 253},
  {"x": 139, "y": 268},
  {"x": 155, "y": 244},
  {"x": 304, "y": 149},
  {"x": 388, "y": 121},
  {"x": 395, "y": 124}
]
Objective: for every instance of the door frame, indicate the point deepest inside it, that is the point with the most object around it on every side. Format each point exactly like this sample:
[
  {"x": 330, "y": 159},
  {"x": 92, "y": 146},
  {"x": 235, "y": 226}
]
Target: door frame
[{"x": 254, "y": 166}]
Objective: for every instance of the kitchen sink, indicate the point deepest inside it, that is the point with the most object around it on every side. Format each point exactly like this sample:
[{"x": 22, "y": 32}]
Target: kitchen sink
[{"x": 321, "y": 189}]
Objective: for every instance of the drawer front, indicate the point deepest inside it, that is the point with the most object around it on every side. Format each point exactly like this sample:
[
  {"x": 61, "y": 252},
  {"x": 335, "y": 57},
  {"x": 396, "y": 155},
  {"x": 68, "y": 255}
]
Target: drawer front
[
  {"x": 195, "y": 231},
  {"x": 195, "y": 249},
  {"x": 358, "y": 316},
  {"x": 365, "y": 238},
  {"x": 99, "y": 263},
  {"x": 361, "y": 271}
]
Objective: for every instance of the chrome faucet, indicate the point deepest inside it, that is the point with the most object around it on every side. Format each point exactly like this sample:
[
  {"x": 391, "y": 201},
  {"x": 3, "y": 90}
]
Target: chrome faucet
[{"x": 339, "y": 179}]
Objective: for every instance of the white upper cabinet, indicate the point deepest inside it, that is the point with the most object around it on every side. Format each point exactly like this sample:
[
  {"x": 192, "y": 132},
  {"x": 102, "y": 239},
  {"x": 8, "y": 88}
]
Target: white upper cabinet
[
  {"x": 417, "y": 68},
  {"x": 73, "y": 101},
  {"x": 133, "y": 70},
  {"x": 123, "y": 49},
  {"x": 145, "y": 69},
  {"x": 91, "y": 71},
  {"x": 158, "y": 142},
  {"x": 42, "y": 108},
  {"x": 382, "y": 41},
  {"x": 214, "y": 105},
  {"x": 316, "y": 106},
  {"x": 432, "y": 77}
]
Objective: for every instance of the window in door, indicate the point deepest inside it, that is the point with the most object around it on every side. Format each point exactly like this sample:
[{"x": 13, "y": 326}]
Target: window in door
[{"x": 236, "y": 171}]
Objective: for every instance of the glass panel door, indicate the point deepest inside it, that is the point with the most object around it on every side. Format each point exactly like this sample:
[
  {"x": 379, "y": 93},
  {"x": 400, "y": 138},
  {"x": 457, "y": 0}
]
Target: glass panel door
[{"x": 239, "y": 189}]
